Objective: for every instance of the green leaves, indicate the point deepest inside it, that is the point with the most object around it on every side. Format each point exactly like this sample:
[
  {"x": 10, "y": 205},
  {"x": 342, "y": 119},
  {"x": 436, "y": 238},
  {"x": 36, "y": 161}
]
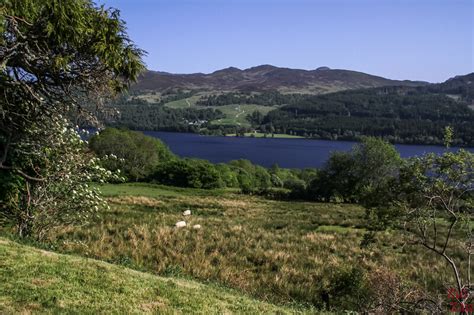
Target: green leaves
[
  {"x": 136, "y": 155},
  {"x": 67, "y": 31},
  {"x": 432, "y": 199},
  {"x": 362, "y": 175},
  {"x": 448, "y": 136},
  {"x": 56, "y": 54}
]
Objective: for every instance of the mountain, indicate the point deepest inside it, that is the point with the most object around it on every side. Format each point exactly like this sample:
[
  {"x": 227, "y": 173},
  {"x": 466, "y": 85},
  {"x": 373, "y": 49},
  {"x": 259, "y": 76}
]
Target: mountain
[
  {"x": 461, "y": 86},
  {"x": 265, "y": 78}
]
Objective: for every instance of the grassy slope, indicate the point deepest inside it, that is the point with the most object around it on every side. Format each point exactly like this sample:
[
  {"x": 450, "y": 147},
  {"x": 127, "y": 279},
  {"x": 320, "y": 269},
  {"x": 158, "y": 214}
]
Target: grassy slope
[
  {"x": 39, "y": 281},
  {"x": 185, "y": 103},
  {"x": 283, "y": 252},
  {"x": 154, "y": 190},
  {"x": 235, "y": 114}
]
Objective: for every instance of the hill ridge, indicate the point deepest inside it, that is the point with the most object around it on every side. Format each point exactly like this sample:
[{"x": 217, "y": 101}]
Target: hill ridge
[{"x": 267, "y": 77}]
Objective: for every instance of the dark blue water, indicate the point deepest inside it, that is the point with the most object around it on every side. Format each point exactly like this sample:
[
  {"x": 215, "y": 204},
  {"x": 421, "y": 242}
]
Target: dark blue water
[{"x": 290, "y": 153}]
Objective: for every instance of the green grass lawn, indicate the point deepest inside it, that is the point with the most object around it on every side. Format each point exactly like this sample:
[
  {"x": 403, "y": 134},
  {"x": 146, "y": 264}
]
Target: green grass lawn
[
  {"x": 156, "y": 191},
  {"x": 262, "y": 135},
  {"x": 38, "y": 281}
]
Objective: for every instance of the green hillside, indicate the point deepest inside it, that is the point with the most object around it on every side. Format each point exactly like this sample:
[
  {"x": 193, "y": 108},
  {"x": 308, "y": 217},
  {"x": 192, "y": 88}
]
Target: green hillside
[{"x": 38, "y": 281}]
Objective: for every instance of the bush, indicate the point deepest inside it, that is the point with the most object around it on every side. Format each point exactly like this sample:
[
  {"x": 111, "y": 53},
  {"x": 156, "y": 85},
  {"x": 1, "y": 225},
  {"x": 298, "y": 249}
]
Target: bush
[
  {"x": 228, "y": 175},
  {"x": 188, "y": 173},
  {"x": 346, "y": 287},
  {"x": 297, "y": 188},
  {"x": 252, "y": 178}
]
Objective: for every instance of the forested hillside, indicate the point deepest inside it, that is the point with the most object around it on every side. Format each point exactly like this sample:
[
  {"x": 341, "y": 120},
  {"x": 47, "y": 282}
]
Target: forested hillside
[
  {"x": 399, "y": 114},
  {"x": 159, "y": 117},
  {"x": 461, "y": 85}
]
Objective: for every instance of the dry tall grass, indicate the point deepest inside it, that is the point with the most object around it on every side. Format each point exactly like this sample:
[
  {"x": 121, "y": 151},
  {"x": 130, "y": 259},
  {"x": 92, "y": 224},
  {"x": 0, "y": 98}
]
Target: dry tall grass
[{"x": 284, "y": 252}]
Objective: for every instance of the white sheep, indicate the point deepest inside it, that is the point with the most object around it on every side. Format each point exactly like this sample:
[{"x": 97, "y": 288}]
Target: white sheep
[
  {"x": 197, "y": 226},
  {"x": 180, "y": 224},
  {"x": 187, "y": 212}
]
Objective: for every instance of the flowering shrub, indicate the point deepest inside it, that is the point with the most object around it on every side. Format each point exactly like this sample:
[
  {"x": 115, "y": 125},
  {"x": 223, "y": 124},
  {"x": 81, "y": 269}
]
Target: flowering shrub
[{"x": 62, "y": 193}]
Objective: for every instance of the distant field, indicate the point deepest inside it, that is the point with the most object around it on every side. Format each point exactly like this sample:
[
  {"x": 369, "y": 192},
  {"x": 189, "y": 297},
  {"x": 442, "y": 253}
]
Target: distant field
[
  {"x": 278, "y": 251},
  {"x": 262, "y": 135},
  {"x": 154, "y": 191},
  {"x": 151, "y": 97},
  {"x": 185, "y": 103},
  {"x": 235, "y": 114}
]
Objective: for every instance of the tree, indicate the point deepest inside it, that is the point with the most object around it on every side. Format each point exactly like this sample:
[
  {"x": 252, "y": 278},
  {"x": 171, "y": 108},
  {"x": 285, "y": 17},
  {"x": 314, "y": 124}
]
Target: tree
[
  {"x": 136, "y": 154},
  {"x": 255, "y": 118},
  {"x": 227, "y": 175},
  {"x": 252, "y": 178},
  {"x": 437, "y": 198},
  {"x": 335, "y": 181},
  {"x": 432, "y": 200},
  {"x": 376, "y": 163},
  {"x": 263, "y": 180},
  {"x": 55, "y": 57},
  {"x": 359, "y": 175}
]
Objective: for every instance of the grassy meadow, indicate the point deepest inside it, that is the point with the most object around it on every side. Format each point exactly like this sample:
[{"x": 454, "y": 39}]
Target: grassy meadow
[
  {"x": 185, "y": 102},
  {"x": 39, "y": 281},
  {"x": 262, "y": 135},
  {"x": 299, "y": 254}
]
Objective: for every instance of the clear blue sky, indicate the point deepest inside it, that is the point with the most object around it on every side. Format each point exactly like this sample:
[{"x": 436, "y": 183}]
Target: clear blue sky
[{"x": 429, "y": 40}]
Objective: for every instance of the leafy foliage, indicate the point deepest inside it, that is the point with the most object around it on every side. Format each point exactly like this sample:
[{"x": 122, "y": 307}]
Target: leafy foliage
[
  {"x": 433, "y": 199},
  {"x": 130, "y": 151},
  {"x": 252, "y": 178},
  {"x": 55, "y": 56},
  {"x": 61, "y": 194},
  {"x": 361, "y": 174},
  {"x": 188, "y": 173}
]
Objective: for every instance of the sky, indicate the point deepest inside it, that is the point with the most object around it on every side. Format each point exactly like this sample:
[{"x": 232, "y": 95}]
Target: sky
[{"x": 429, "y": 40}]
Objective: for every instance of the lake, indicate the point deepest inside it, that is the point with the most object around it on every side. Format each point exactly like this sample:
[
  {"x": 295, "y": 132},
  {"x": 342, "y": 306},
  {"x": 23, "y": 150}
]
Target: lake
[{"x": 289, "y": 153}]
